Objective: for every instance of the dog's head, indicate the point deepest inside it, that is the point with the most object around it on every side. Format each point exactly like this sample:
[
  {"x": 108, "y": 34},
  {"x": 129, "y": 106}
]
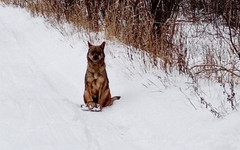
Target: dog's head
[{"x": 96, "y": 53}]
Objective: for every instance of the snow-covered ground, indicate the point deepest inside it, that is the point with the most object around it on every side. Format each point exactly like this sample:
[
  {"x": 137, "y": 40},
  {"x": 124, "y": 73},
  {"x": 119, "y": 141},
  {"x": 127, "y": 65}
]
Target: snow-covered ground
[{"x": 41, "y": 88}]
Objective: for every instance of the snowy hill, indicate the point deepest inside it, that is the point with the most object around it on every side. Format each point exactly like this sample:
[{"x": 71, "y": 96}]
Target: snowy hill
[{"x": 41, "y": 88}]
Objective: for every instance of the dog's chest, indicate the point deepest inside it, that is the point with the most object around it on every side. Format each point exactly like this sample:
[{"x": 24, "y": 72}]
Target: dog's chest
[
  {"x": 96, "y": 76},
  {"x": 95, "y": 81}
]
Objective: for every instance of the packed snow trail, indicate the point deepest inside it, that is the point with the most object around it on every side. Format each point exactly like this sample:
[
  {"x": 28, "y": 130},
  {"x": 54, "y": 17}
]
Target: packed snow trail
[{"x": 41, "y": 88}]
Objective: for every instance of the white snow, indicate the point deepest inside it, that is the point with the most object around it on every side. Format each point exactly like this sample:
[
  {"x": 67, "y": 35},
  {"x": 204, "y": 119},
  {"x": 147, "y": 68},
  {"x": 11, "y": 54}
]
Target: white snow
[{"x": 41, "y": 88}]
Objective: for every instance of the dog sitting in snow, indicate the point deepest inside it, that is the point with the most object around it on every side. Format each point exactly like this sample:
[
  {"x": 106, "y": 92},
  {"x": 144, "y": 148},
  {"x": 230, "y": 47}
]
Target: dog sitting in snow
[{"x": 97, "y": 93}]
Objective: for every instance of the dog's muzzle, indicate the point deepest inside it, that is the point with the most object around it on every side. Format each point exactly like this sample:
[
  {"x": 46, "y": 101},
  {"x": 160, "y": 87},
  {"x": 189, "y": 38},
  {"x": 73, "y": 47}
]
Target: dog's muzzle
[{"x": 95, "y": 58}]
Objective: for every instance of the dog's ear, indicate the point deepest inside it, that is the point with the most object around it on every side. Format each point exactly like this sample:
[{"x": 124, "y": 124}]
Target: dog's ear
[
  {"x": 89, "y": 44},
  {"x": 102, "y": 45}
]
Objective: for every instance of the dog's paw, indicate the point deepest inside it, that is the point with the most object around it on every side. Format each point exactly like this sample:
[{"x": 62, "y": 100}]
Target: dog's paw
[
  {"x": 96, "y": 108},
  {"x": 91, "y": 105},
  {"x": 84, "y": 107}
]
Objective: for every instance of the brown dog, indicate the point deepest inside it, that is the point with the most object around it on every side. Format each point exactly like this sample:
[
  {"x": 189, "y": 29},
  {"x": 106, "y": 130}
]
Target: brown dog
[{"x": 97, "y": 92}]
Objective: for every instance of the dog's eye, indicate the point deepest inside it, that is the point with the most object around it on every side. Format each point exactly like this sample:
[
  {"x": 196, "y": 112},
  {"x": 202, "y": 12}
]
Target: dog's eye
[{"x": 92, "y": 52}]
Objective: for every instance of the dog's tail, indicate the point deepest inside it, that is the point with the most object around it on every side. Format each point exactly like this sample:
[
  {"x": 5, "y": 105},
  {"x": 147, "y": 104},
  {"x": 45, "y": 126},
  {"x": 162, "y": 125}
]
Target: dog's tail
[{"x": 115, "y": 98}]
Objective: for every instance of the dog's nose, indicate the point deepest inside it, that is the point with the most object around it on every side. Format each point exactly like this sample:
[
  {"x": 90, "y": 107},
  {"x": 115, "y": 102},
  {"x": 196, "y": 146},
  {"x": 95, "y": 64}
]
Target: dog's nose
[{"x": 95, "y": 58}]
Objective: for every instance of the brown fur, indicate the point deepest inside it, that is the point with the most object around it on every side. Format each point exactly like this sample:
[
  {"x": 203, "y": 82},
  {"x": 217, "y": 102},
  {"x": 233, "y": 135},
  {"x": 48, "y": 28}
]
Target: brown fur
[{"x": 96, "y": 81}]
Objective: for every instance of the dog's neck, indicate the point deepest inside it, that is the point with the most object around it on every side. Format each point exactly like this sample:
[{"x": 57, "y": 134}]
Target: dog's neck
[{"x": 96, "y": 68}]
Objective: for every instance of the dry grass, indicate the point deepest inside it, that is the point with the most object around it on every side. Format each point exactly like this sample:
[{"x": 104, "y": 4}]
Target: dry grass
[{"x": 135, "y": 24}]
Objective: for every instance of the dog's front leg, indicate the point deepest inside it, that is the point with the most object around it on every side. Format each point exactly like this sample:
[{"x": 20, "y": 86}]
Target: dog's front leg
[
  {"x": 88, "y": 99},
  {"x": 104, "y": 98},
  {"x": 99, "y": 86},
  {"x": 100, "y": 99}
]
